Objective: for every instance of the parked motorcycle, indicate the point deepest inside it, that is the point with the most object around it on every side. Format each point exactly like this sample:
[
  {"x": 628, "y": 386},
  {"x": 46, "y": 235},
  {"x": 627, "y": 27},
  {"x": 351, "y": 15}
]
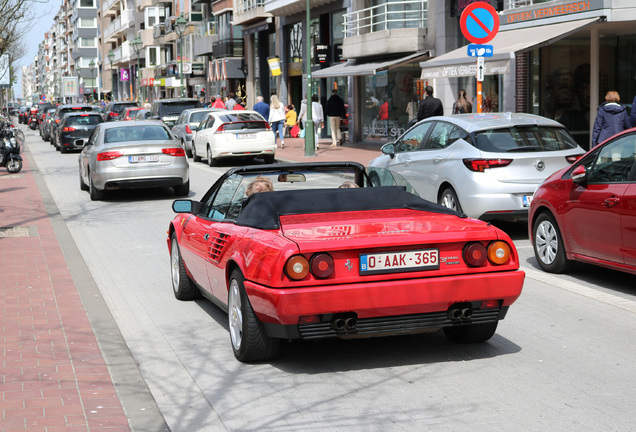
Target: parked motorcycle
[
  {"x": 10, "y": 149},
  {"x": 33, "y": 118}
]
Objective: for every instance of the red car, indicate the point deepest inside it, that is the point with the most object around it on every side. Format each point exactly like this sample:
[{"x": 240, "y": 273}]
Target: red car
[
  {"x": 587, "y": 212},
  {"x": 314, "y": 259},
  {"x": 130, "y": 113}
]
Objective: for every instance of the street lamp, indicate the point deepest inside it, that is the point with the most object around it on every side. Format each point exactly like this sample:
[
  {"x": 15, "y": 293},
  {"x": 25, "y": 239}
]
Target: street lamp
[
  {"x": 181, "y": 26},
  {"x": 137, "y": 43},
  {"x": 111, "y": 57},
  {"x": 91, "y": 66}
]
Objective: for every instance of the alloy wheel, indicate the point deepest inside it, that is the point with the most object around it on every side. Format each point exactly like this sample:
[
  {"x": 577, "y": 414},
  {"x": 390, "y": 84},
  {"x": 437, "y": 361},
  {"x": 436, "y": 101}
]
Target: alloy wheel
[{"x": 547, "y": 241}]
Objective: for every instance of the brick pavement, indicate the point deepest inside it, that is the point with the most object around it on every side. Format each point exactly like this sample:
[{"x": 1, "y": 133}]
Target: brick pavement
[
  {"x": 294, "y": 151},
  {"x": 52, "y": 373}
]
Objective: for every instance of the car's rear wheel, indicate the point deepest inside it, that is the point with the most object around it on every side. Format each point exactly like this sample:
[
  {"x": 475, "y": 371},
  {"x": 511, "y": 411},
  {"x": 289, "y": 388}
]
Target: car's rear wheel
[
  {"x": 94, "y": 193},
  {"x": 471, "y": 333},
  {"x": 548, "y": 245},
  {"x": 188, "y": 152},
  {"x": 182, "y": 190},
  {"x": 211, "y": 161},
  {"x": 195, "y": 158},
  {"x": 247, "y": 334},
  {"x": 269, "y": 159},
  {"x": 182, "y": 286},
  {"x": 449, "y": 199}
]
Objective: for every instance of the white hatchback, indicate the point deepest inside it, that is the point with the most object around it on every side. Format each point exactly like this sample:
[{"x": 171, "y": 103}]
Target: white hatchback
[
  {"x": 232, "y": 134},
  {"x": 485, "y": 165}
]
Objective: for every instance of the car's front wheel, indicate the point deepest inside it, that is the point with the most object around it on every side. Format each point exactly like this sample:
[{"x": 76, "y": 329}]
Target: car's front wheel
[
  {"x": 449, "y": 199},
  {"x": 548, "y": 245},
  {"x": 83, "y": 186},
  {"x": 247, "y": 334},
  {"x": 182, "y": 286},
  {"x": 195, "y": 157},
  {"x": 471, "y": 333}
]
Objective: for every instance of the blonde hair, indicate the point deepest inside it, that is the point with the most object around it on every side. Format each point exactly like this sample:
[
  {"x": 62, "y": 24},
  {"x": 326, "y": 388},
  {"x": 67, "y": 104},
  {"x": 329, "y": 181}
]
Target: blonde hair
[
  {"x": 275, "y": 102},
  {"x": 348, "y": 185},
  {"x": 260, "y": 184}
]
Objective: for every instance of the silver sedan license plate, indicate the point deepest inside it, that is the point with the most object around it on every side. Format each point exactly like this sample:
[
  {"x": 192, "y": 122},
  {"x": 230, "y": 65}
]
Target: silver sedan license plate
[
  {"x": 399, "y": 262},
  {"x": 149, "y": 158}
]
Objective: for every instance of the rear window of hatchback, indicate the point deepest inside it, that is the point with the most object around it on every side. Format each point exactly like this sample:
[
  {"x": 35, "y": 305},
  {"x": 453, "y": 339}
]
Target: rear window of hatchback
[{"x": 523, "y": 139}]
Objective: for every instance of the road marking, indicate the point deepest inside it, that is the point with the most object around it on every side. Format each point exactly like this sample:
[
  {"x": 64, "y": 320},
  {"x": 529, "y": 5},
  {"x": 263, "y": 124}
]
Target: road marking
[{"x": 608, "y": 298}]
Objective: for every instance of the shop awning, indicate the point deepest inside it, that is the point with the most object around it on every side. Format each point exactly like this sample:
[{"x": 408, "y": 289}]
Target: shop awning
[
  {"x": 358, "y": 68},
  {"x": 457, "y": 63}
]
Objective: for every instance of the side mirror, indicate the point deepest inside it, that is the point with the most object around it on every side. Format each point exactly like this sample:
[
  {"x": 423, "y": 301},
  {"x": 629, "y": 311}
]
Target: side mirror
[
  {"x": 186, "y": 206},
  {"x": 579, "y": 175},
  {"x": 389, "y": 149}
]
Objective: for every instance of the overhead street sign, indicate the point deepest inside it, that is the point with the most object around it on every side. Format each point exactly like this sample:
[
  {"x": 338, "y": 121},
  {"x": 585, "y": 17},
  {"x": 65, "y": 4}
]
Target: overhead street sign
[
  {"x": 479, "y": 22},
  {"x": 480, "y": 50}
]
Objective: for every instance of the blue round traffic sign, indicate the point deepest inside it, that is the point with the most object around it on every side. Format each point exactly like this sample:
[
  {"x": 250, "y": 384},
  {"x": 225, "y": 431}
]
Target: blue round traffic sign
[{"x": 479, "y": 22}]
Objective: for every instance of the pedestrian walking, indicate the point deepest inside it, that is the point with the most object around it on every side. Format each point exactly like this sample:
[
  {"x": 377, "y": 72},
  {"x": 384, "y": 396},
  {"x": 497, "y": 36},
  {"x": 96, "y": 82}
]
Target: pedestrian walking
[
  {"x": 611, "y": 118},
  {"x": 317, "y": 116},
  {"x": 302, "y": 114},
  {"x": 217, "y": 102},
  {"x": 335, "y": 113},
  {"x": 462, "y": 105},
  {"x": 290, "y": 119},
  {"x": 261, "y": 107},
  {"x": 430, "y": 106},
  {"x": 238, "y": 105},
  {"x": 277, "y": 119}
]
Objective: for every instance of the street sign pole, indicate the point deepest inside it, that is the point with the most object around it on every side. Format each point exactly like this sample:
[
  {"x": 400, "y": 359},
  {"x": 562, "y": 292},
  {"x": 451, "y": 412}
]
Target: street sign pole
[{"x": 479, "y": 23}]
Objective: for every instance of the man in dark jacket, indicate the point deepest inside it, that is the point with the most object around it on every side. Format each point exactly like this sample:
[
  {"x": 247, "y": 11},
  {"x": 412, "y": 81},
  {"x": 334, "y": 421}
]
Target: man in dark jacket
[
  {"x": 430, "y": 106},
  {"x": 335, "y": 112}
]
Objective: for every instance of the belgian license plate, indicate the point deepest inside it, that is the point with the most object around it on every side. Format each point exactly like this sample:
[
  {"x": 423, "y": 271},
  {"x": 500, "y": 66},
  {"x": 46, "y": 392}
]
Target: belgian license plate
[
  {"x": 398, "y": 262},
  {"x": 148, "y": 158},
  {"x": 526, "y": 200},
  {"x": 245, "y": 136}
]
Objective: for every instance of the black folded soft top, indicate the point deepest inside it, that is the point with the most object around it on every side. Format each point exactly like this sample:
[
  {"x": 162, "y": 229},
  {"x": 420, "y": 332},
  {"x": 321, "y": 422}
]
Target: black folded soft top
[{"x": 262, "y": 210}]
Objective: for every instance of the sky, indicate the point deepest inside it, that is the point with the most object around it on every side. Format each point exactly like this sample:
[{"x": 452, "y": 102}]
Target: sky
[{"x": 45, "y": 13}]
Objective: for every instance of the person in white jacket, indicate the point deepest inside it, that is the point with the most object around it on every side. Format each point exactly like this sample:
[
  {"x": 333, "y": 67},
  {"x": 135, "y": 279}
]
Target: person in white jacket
[
  {"x": 317, "y": 116},
  {"x": 277, "y": 119}
]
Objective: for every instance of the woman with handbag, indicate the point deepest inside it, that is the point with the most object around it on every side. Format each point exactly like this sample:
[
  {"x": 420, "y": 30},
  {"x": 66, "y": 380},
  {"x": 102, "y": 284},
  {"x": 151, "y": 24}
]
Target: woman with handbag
[{"x": 277, "y": 119}]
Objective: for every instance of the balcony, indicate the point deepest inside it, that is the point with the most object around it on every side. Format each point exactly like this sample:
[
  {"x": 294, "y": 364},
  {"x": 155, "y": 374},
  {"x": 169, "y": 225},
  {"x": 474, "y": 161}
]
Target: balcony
[
  {"x": 122, "y": 53},
  {"x": 108, "y": 7},
  {"x": 246, "y": 11},
  {"x": 286, "y": 7},
  {"x": 228, "y": 48},
  {"x": 389, "y": 28},
  {"x": 204, "y": 38}
]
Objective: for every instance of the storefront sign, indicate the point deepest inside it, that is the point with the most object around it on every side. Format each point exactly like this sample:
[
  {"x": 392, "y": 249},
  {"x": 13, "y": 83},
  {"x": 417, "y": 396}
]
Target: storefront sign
[
  {"x": 466, "y": 70},
  {"x": 146, "y": 82},
  {"x": 337, "y": 53},
  {"x": 322, "y": 53},
  {"x": 124, "y": 74},
  {"x": 274, "y": 65},
  {"x": 564, "y": 9},
  {"x": 69, "y": 86}
]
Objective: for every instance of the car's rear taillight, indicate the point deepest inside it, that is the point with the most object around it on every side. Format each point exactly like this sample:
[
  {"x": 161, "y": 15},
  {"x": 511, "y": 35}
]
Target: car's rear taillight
[
  {"x": 187, "y": 129},
  {"x": 573, "y": 158},
  {"x": 475, "y": 254},
  {"x": 113, "y": 114},
  {"x": 69, "y": 129},
  {"x": 321, "y": 265},
  {"x": 480, "y": 165},
  {"x": 57, "y": 121},
  {"x": 498, "y": 252},
  {"x": 220, "y": 129},
  {"x": 176, "y": 151},
  {"x": 267, "y": 126},
  {"x": 106, "y": 156},
  {"x": 297, "y": 267}
]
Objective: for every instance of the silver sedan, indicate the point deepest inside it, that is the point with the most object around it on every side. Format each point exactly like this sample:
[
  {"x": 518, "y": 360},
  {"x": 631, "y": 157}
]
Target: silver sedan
[
  {"x": 133, "y": 154},
  {"x": 486, "y": 165}
]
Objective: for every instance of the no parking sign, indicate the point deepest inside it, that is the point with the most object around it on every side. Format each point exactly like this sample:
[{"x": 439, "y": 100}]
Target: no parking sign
[{"x": 479, "y": 22}]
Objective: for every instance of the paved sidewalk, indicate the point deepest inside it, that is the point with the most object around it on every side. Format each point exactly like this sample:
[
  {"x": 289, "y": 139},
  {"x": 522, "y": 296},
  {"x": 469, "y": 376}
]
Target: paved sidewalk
[
  {"x": 294, "y": 151},
  {"x": 53, "y": 375}
]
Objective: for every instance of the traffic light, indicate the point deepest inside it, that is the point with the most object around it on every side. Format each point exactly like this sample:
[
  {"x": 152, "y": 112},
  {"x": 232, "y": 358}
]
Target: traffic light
[
  {"x": 202, "y": 93},
  {"x": 95, "y": 95}
]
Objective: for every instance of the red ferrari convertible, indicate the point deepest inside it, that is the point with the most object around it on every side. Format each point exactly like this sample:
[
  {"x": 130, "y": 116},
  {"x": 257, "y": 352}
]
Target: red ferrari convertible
[{"x": 315, "y": 250}]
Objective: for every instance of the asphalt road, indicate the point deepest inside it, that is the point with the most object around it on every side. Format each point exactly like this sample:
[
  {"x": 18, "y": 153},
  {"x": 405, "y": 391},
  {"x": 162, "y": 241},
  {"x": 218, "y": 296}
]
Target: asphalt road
[{"x": 562, "y": 359}]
